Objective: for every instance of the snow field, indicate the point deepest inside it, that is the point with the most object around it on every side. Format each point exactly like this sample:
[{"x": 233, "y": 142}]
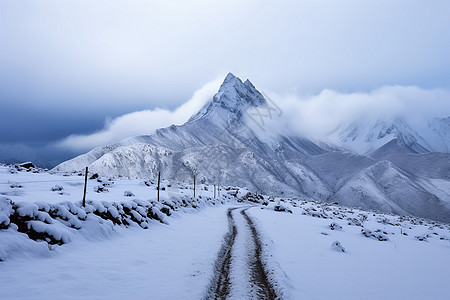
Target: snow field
[
  {"x": 102, "y": 252},
  {"x": 166, "y": 262},
  {"x": 25, "y": 213},
  {"x": 59, "y": 187},
  {"x": 401, "y": 268}
]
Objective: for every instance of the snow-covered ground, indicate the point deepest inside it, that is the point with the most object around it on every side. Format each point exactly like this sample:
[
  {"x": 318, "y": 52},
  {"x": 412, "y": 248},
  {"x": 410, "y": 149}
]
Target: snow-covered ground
[
  {"x": 165, "y": 262},
  {"x": 44, "y": 186},
  {"x": 309, "y": 250},
  {"x": 403, "y": 267}
]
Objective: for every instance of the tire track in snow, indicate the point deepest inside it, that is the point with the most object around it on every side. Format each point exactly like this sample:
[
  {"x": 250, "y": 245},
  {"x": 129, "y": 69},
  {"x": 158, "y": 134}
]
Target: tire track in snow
[
  {"x": 221, "y": 283},
  {"x": 260, "y": 277}
]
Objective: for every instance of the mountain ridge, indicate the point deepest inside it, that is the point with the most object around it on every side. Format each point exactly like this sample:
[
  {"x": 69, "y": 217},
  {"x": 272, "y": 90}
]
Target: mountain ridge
[{"x": 218, "y": 146}]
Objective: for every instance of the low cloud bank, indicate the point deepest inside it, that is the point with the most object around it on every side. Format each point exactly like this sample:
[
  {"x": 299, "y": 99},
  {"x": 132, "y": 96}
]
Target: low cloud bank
[
  {"x": 312, "y": 116},
  {"x": 317, "y": 115}
]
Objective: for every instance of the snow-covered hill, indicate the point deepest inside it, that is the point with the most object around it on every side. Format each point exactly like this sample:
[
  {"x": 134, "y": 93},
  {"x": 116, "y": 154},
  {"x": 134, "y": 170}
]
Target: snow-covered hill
[
  {"x": 222, "y": 144},
  {"x": 385, "y": 187}
]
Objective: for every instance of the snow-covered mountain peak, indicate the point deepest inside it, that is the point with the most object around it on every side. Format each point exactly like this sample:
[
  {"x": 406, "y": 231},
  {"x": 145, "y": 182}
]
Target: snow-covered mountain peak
[
  {"x": 230, "y": 80},
  {"x": 234, "y": 96}
]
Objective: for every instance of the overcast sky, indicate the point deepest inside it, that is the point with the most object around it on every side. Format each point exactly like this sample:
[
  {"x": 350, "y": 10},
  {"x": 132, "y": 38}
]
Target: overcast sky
[{"x": 78, "y": 67}]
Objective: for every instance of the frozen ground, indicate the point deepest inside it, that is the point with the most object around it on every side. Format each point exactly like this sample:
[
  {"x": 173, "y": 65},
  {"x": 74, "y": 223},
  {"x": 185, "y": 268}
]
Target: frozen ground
[
  {"x": 43, "y": 186},
  {"x": 400, "y": 268},
  {"x": 165, "y": 262},
  {"x": 304, "y": 250}
]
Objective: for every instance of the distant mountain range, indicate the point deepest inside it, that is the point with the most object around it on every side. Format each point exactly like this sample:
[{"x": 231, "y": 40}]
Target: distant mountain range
[
  {"x": 367, "y": 136},
  {"x": 382, "y": 165}
]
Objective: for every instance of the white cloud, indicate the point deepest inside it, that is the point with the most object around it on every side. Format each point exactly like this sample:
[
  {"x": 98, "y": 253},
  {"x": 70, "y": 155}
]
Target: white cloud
[
  {"x": 315, "y": 116},
  {"x": 141, "y": 122},
  {"x": 310, "y": 116}
]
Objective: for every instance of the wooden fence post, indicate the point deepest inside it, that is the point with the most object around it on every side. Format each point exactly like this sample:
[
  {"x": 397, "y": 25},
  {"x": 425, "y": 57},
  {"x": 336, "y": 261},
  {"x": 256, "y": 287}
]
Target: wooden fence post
[
  {"x": 214, "y": 191},
  {"x": 159, "y": 182},
  {"x": 194, "y": 186},
  {"x": 85, "y": 185}
]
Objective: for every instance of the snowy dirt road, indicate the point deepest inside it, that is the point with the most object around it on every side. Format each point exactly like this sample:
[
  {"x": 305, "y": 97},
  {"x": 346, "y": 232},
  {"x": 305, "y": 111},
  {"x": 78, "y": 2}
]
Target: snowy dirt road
[{"x": 241, "y": 271}]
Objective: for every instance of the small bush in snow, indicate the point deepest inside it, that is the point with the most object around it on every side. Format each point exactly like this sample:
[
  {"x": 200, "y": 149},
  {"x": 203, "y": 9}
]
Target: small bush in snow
[
  {"x": 281, "y": 207},
  {"x": 100, "y": 189},
  {"x": 422, "y": 238},
  {"x": 15, "y": 186},
  {"x": 232, "y": 191},
  {"x": 57, "y": 188},
  {"x": 381, "y": 236},
  {"x": 336, "y": 226},
  {"x": 128, "y": 194},
  {"x": 95, "y": 176},
  {"x": 337, "y": 246},
  {"x": 252, "y": 197}
]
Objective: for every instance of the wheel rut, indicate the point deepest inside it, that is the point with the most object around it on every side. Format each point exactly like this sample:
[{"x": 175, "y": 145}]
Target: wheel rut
[
  {"x": 259, "y": 273},
  {"x": 258, "y": 286}
]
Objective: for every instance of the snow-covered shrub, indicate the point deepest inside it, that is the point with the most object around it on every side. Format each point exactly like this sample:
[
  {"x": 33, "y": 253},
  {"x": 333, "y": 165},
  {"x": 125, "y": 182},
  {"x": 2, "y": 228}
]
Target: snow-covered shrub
[
  {"x": 57, "y": 188},
  {"x": 232, "y": 191},
  {"x": 281, "y": 207},
  {"x": 148, "y": 182},
  {"x": 15, "y": 186},
  {"x": 94, "y": 176},
  {"x": 337, "y": 246},
  {"x": 128, "y": 194},
  {"x": 336, "y": 226},
  {"x": 5, "y": 211},
  {"x": 354, "y": 221},
  {"x": 378, "y": 234},
  {"x": 422, "y": 238},
  {"x": 252, "y": 197},
  {"x": 100, "y": 189}
]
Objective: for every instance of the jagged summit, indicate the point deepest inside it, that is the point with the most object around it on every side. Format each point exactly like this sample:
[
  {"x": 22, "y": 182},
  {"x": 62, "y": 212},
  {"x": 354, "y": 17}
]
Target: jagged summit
[
  {"x": 234, "y": 96},
  {"x": 230, "y": 80}
]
